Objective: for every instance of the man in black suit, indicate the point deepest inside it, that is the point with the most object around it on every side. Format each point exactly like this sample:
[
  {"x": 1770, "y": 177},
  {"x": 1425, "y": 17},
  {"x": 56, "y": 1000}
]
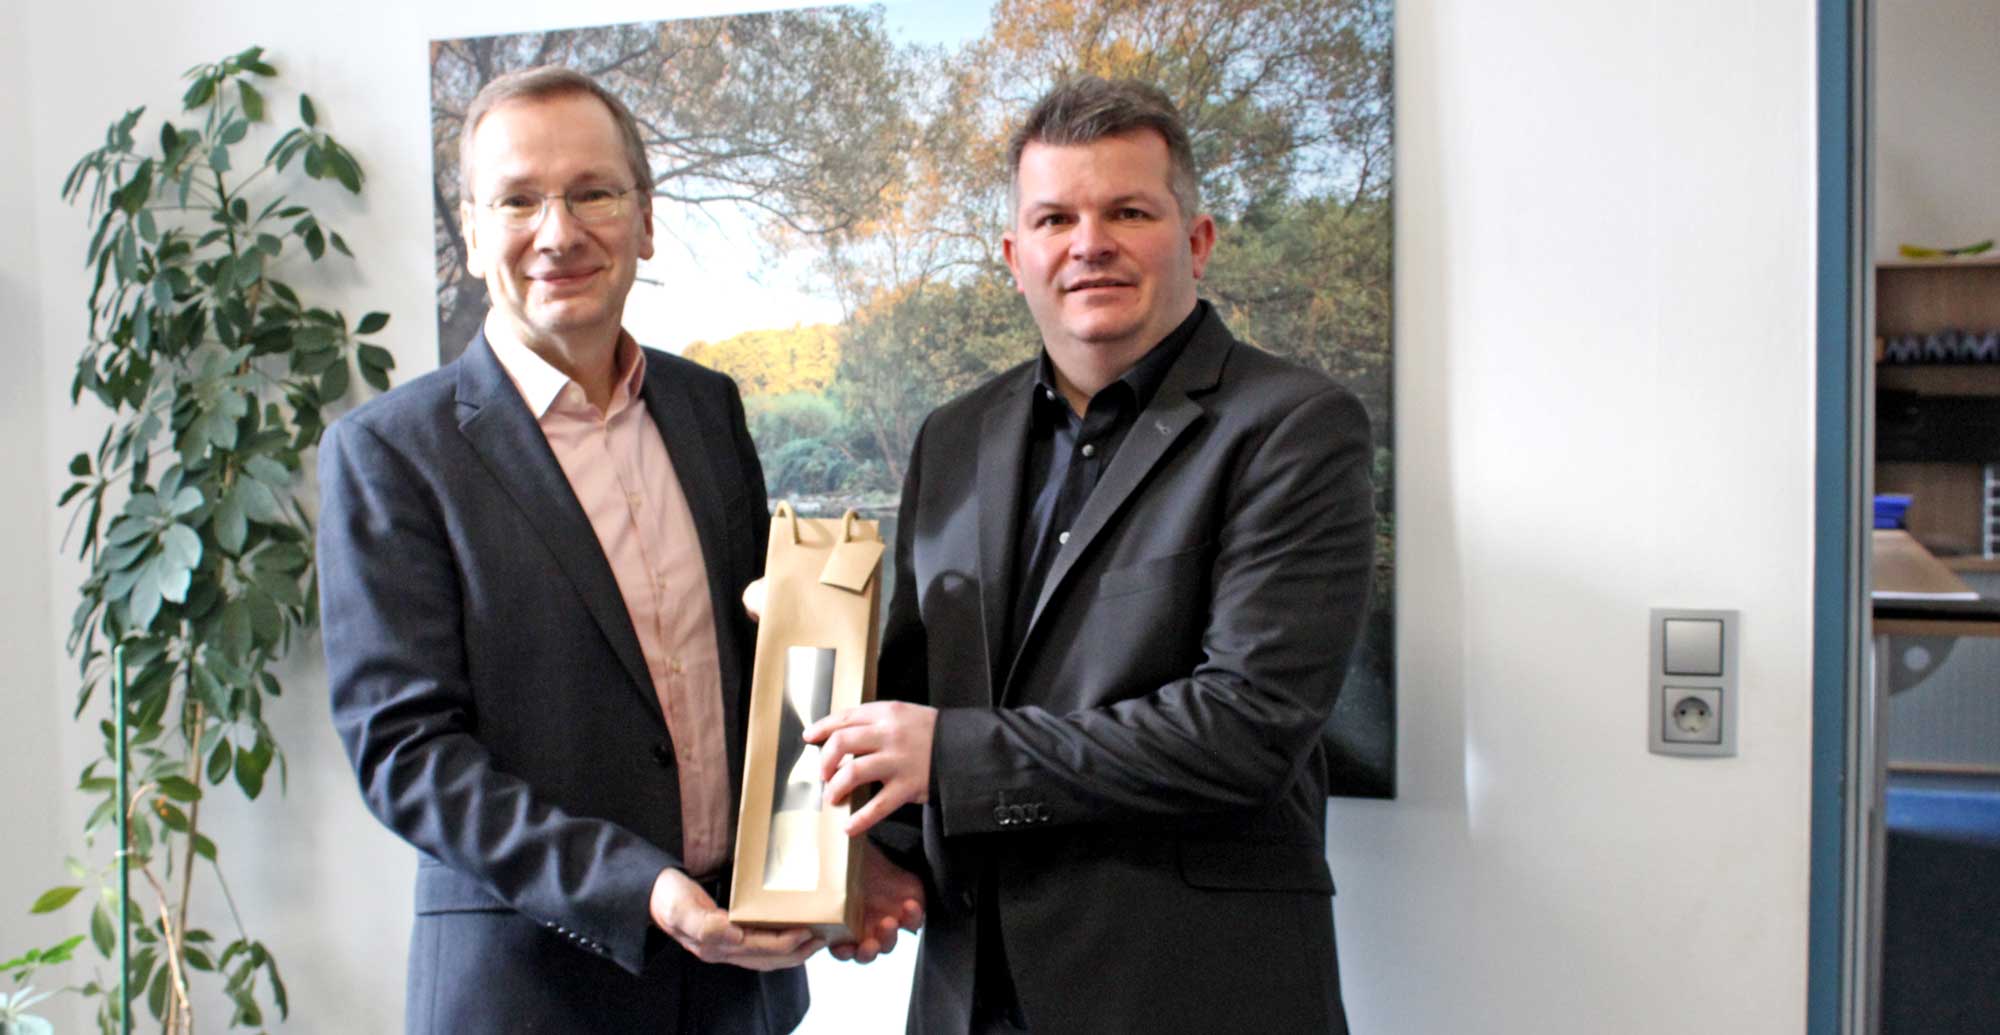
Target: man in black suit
[
  {"x": 1129, "y": 574},
  {"x": 530, "y": 562}
]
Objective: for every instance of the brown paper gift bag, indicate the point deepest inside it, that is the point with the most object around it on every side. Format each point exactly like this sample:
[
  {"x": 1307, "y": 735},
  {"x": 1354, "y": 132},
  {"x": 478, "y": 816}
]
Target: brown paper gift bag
[{"x": 816, "y": 647}]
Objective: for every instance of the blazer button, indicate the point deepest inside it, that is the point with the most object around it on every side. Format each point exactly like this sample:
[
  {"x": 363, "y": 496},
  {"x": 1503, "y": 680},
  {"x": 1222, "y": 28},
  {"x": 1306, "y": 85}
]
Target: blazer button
[
  {"x": 663, "y": 753},
  {"x": 1000, "y": 815}
]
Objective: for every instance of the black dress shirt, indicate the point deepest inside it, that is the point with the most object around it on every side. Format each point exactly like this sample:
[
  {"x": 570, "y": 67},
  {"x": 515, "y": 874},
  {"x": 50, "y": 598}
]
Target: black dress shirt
[{"x": 1066, "y": 456}]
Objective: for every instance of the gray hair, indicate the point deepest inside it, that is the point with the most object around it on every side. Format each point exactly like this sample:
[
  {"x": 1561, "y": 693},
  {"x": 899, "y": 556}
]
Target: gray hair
[
  {"x": 539, "y": 83},
  {"x": 1087, "y": 109}
]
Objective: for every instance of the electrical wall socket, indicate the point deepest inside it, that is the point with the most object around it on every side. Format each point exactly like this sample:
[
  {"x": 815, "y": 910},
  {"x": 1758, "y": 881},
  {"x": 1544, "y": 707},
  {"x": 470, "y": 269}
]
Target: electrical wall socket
[
  {"x": 1691, "y": 715},
  {"x": 1693, "y": 692}
]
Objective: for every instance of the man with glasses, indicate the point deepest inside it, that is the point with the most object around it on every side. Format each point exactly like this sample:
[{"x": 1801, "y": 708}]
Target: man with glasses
[{"x": 529, "y": 567}]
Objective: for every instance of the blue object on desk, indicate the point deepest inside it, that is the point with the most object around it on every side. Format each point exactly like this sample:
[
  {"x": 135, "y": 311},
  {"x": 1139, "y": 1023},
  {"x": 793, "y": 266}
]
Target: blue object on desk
[{"x": 1889, "y": 509}]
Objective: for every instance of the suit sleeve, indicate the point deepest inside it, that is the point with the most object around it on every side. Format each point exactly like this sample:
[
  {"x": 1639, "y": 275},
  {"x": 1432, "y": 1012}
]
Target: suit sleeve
[
  {"x": 903, "y": 665},
  {"x": 1287, "y": 595},
  {"x": 403, "y": 706}
]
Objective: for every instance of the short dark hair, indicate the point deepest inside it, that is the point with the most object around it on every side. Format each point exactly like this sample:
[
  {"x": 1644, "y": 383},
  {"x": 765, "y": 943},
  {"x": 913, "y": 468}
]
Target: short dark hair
[
  {"x": 1087, "y": 109},
  {"x": 539, "y": 83}
]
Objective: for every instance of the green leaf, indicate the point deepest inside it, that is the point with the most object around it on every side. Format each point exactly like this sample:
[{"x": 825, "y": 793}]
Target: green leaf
[
  {"x": 374, "y": 357},
  {"x": 315, "y": 243},
  {"x": 229, "y": 522},
  {"x": 79, "y": 465},
  {"x": 121, "y": 558},
  {"x": 253, "y": 102},
  {"x": 220, "y": 759},
  {"x": 375, "y": 377},
  {"x": 250, "y": 768},
  {"x": 128, "y": 528},
  {"x": 102, "y": 934},
  {"x": 372, "y": 323},
  {"x": 340, "y": 245},
  {"x": 142, "y": 839},
  {"x": 278, "y": 995},
  {"x": 333, "y": 384},
  {"x": 175, "y": 819},
  {"x": 218, "y": 158},
  {"x": 156, "y": 994},
  {"x": 282, "y": 586},
  {"x": 199, "y": 94},
  {"x": 258, "y": 501},
  {"x": 345, "y": 170},
  {"x": 266, "y": 621},
  {"x": 179, "y": 788},
  {"x": 128, "y": 254},
  {"x": 289, "y": 558},
  {"x": 237, "y": 634},
  {"x": 306, "y": 113},
  {"x": 268, "y": 471},
  {"x": 54, "y": 899},
  {"x": 186, "y": 501},
  {"x": 203, "y": 846},
  {"x": 143, "y": 603},
  {"x": 181, "y": 547}
]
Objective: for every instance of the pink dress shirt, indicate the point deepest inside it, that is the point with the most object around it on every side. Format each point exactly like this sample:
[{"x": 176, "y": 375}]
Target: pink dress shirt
[{"x": 618, "y": 466}]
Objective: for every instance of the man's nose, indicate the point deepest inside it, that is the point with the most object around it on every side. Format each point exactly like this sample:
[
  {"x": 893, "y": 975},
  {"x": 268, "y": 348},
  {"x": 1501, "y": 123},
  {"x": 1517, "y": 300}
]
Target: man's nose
[
  {"x": 1090, "y": 240},
  {"x": 558, "y": 229}
]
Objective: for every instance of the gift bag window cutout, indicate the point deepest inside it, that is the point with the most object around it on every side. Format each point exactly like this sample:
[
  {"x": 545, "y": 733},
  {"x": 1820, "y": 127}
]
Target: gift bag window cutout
[{"x": 791, "y": 858}]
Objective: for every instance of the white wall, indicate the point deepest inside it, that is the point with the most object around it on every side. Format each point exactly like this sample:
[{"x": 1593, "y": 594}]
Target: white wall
[
  {"x": 31, "y": 696},
  {"x": 1604, "y": 248},
  {"x": 1603, "y": 251},
  {"x": 1936, "y": 143}
]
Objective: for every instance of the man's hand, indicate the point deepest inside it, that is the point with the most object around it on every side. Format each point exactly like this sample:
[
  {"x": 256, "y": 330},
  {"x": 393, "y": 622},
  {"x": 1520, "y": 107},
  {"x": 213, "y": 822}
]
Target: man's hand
[
  {"x": 885, "y": 742},
  {"x": 683, "y": 910},
  {"x": 892, "y": 899},
  {"x": 753, "y": 600}
]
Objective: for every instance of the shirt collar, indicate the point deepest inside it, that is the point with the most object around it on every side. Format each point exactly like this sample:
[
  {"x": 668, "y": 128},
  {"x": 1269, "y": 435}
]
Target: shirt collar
[
  {"x": 1145, "y": 377},
  {"x": 541, "y": 384}
]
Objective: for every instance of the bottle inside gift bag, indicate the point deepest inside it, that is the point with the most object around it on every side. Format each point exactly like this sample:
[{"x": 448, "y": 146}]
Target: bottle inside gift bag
[{"x": 791, "y": 857}]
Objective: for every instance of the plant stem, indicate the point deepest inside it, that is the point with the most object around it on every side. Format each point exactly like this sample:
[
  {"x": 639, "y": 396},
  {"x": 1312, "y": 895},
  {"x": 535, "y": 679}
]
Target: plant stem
[
  {"x": 193, "y": 734},
  {"x": 171, "y": 941}
]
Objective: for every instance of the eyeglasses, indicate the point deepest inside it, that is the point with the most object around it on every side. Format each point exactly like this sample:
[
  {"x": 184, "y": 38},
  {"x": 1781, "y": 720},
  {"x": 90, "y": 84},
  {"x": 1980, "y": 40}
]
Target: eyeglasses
[{"x": 523, "y": 210}]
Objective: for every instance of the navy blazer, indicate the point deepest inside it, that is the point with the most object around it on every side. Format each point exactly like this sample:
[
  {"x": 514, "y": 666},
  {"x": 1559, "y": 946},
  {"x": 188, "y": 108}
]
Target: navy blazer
[
  {"x": 1144, "y": 775},
  {"x": 491, "y": 693}
]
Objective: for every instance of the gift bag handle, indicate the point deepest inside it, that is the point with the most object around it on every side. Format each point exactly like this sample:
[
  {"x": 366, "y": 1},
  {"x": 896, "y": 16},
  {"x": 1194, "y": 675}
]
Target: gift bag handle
[
  {"x": 785, "y": 511},
  {"x": 847, "y": 522}
]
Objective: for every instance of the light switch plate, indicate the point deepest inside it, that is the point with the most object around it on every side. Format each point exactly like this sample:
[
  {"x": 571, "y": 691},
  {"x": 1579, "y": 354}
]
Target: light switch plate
[
  {"x": 1693, "y": 646},
  {"x": 1691, "y": 699}
]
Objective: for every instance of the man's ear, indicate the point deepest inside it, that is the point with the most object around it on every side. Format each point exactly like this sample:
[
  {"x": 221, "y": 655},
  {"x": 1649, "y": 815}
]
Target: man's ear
[
  {"x": 645, "y": 226},
  {"x": 1201, "y": 241},
  {"x": 1013, "y": 261},
  {"x": 468, "y": 224}
]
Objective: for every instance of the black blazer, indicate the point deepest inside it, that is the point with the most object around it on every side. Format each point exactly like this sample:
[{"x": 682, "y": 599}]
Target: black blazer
[
  {"x": 1144, "y": 776},
  {"x": 490, "y": 690}
]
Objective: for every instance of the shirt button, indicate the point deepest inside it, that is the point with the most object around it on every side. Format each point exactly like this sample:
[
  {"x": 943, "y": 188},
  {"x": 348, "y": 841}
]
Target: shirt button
[
  {"x": 1089, "y": 450},
  {"x": 1051, "y": 393},
  {"x": 663, "y": 753},
  {"x": 635, "y": 499},
  {"x": 1062, "y": 538}
]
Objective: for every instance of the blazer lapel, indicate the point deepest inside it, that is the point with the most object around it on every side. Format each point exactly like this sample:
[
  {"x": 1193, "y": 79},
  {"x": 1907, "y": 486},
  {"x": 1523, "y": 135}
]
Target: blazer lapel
[
  {"x": 496, "y": 421},
  {"x": 1153, "y": 434},
  {"x": 1003, "y": 447},
  {"x": 673, "y": 412}
]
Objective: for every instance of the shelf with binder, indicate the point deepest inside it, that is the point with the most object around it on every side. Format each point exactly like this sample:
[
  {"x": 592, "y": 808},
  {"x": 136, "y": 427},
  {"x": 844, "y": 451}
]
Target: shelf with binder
[{"x": 1937, "y": 380}]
